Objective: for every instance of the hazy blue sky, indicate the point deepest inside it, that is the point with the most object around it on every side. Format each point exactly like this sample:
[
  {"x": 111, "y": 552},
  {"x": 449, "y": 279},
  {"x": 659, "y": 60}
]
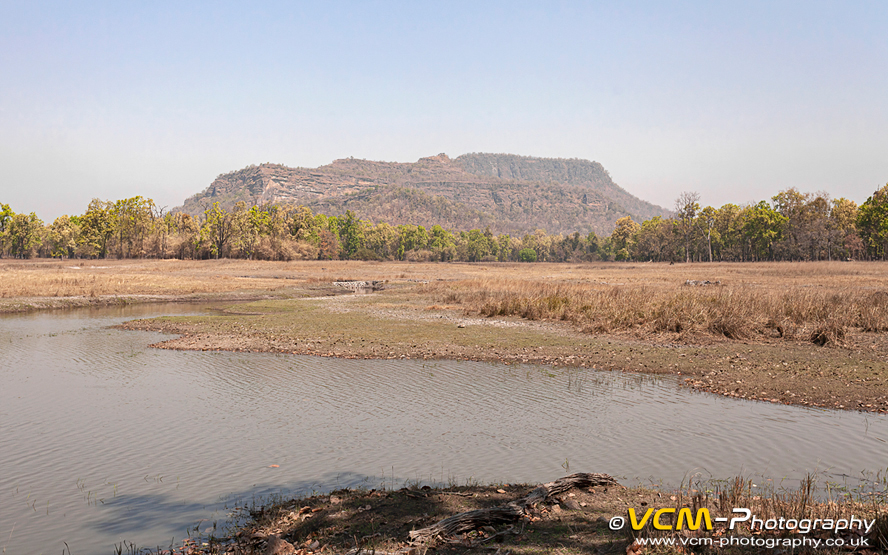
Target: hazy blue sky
[{"x": 734, "y": 100}]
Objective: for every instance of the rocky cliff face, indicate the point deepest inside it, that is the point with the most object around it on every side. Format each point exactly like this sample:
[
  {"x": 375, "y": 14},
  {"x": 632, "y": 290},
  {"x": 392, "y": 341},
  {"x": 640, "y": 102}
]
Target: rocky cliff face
[
  {"x": 511, "y": 194},
  {"x": 579, "y": 173}
]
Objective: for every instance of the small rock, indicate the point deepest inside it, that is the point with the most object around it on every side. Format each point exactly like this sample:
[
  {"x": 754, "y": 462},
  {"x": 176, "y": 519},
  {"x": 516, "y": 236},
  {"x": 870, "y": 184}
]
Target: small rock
[
  {"x": 314, "y": 545},
  {"x": 556, "y": 509},
  {"x": 461, "y": 325},
  {"x": 278, "y": 546},
  {"x": 335, "y": 500},
  {"x": 572, "y": 504},
  {"x": 501, "y": 490}
]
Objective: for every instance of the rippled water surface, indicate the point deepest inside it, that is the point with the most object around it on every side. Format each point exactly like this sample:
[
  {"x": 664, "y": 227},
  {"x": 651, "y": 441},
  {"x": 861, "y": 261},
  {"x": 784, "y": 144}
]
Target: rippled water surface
[{"x": 103, "y": 439}]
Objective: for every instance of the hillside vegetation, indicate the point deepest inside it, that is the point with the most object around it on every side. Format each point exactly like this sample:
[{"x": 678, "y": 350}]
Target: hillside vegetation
[
  {"x": 576, "y": 172},
  {"x": 507, "y": 193},
  {"x": 794, "y": 226}
]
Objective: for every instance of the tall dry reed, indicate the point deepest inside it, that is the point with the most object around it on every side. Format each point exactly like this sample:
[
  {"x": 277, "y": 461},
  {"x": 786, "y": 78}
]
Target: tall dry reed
[{"x": 739, "y": 312}]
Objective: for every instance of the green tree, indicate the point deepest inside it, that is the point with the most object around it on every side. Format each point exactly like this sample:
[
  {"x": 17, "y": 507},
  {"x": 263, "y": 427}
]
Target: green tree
[
  {"x": 351, "y": 233},
  {"x": 132, "y": 220},
  {"x": 624, "y": 238},
  {"x": 302, "y": 224},
  {"x": 654, "y": 241},
  {"x": 411, "y": 237},
  {"x": 6, "y": 215},
  {"x": 382, "y": 239},
  {"x": 96, "y": 228},
  {"x": 503, "y": 247},
  {"x": 477, "y": 245},
  {"x": 872, "y": 223},
  {"x": 188, "y": 231},
  {"x": 24, "y": 235},
  {"x": 762, "y": 227},
  {"x": 62, "y": 237},
  {"x": 527, "y": 255},
  {"x": 442, "y": 243},
  {"x": 843, "y": 227},
  {"x": 249, "y": 226},
  {"x": 592, "y": 244},
  {"x": 728, "y": 233},
  {"x": 217, "y": 229},
  {"x": 790, "y": 204}
]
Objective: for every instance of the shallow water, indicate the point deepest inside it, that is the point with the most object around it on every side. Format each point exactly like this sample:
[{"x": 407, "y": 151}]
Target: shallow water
[{"x": 103, "y": 439}]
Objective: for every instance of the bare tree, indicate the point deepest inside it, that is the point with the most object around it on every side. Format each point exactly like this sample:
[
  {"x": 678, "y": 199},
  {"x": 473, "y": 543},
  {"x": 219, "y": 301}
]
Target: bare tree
[{"x": 686, "y": 207}]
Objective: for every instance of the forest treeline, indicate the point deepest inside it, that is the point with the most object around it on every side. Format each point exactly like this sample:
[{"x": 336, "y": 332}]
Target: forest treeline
[{"x": 792, "y": 226}]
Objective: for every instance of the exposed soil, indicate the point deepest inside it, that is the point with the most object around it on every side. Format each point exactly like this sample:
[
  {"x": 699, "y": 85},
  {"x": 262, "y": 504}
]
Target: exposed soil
[
  {"x": 395, "y": 325},
  {"x": 30, "y": 304},
  {"x": 361, "y": 522},
  {"x": 381, "y": 521}
]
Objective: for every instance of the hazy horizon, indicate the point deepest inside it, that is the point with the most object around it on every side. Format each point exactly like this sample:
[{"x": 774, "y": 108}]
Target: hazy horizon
[{"x": 736, "y": 102}]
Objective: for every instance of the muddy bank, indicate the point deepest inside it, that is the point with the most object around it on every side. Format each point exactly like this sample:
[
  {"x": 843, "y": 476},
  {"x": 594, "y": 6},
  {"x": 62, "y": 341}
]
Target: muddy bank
[
  {"x": 31, "y": 304},
  {"x": 568, "y": 516},
  {"x": 389, "y": 326}
]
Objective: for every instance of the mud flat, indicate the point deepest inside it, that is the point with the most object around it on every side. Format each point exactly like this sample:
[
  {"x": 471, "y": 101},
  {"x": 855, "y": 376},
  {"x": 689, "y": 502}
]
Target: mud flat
[{"x": 393, "y": 324}]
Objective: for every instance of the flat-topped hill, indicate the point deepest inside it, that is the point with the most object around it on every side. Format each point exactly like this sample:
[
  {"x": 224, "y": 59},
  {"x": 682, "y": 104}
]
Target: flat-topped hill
[{"x": 509, "y": 193}]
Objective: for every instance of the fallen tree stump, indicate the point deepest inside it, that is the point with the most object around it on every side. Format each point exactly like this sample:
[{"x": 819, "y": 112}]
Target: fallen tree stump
[{"x": 510, "y": 512}]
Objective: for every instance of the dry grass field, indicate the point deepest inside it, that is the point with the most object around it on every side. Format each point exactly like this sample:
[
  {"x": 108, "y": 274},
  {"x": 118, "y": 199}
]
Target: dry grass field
[
  {"x": 53, "y": 278},
  {"x": 823, "y": 313}
]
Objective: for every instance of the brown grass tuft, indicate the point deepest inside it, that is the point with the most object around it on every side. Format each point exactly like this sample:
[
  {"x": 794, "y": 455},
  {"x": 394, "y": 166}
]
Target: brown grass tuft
[
  {"x": 829, "y": 333},
  {"x": 733, "y": 312}
]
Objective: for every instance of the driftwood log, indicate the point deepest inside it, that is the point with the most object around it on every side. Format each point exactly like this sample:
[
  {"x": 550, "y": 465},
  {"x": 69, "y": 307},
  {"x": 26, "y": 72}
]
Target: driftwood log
[{"x": 510, "y": 512}]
